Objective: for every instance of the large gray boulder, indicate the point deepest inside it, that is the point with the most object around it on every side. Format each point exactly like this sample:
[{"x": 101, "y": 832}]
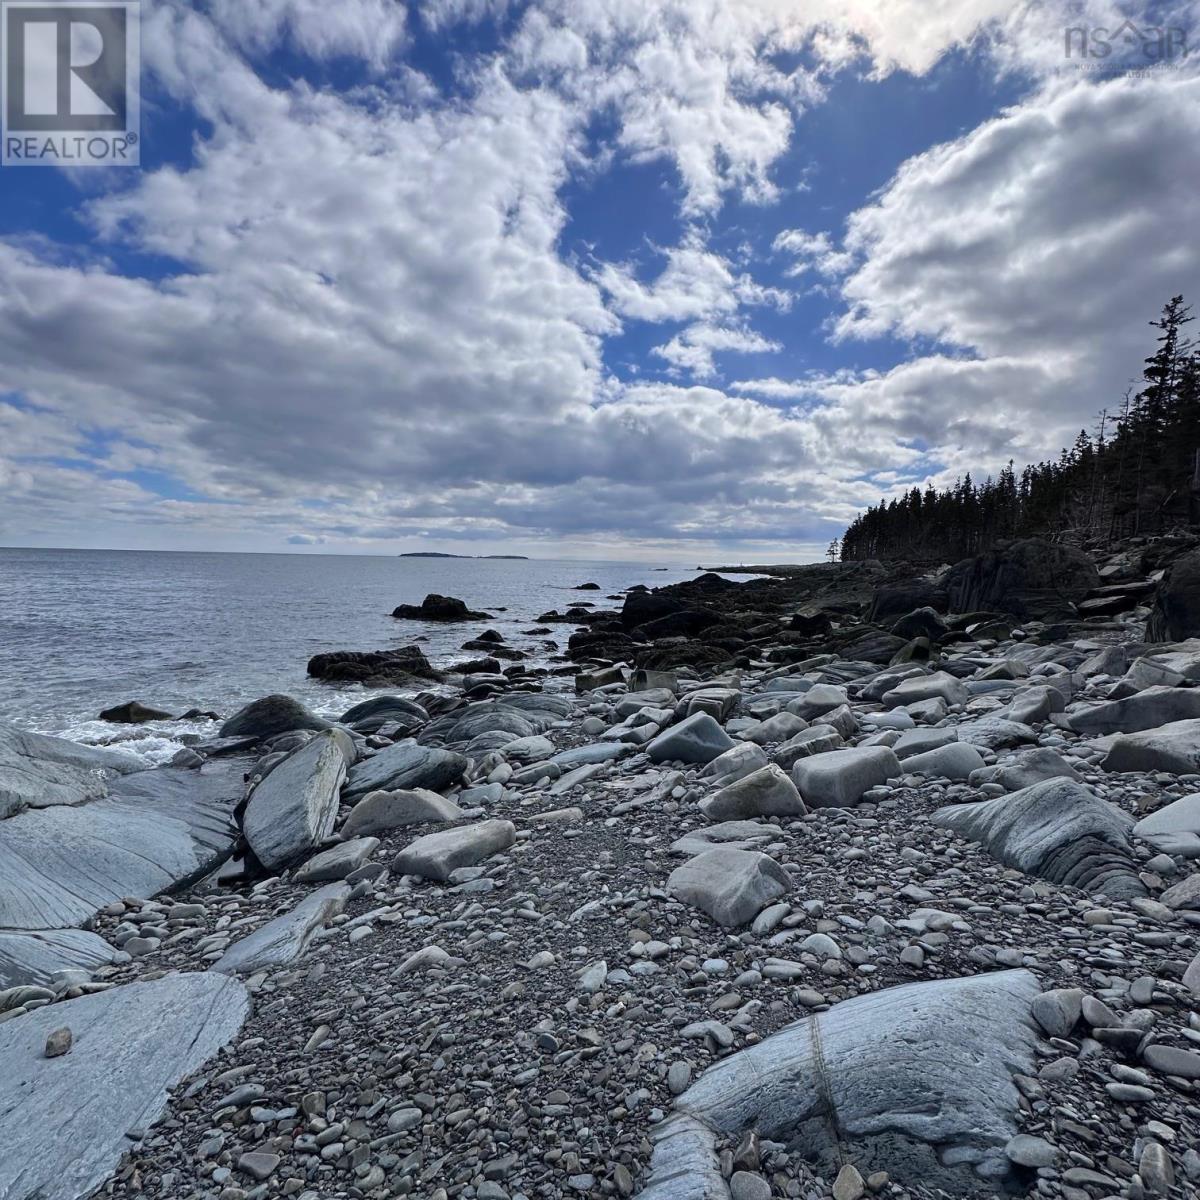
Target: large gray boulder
[
  {"x": 64, "y": 1121},
  {"x": 285, "y": 938},
  {"x": 157, "y": 830},
  {"x": 439, "y": 855},
  {"x": 338, "y": 861},
  {"x": 953, "y": 761},
  {"x": 271, "y": 715},
  {"x": 817, "y": 739},
  {"x": 914, "y": 1080},
  {"x": 938, "y": 686},
  {"x": 1056, "y": 830},
  {"x": 404, "y": 766},
  {"x": 1029, "y": 767},
  {"x": 294, "y": 809},
  {"x": 768, "y": 792},
  {"x": 698, "y": 739},
  {"x": 1174, "y": 748},
  {"x": 35, "y": 957},
  {"x": 372, "y": 715},
  {"x": 731, "y": 886},
  {"x": 839, "y": 778},
  {"x": 1174, "y": 829},
  {"x": 995, "y": 733},
  {"x": 37, "y": 771},
  {"x": 380, "y": 812},
  {"x": 1147, "y": 710},
  {"x": 1030, "y": 578}
]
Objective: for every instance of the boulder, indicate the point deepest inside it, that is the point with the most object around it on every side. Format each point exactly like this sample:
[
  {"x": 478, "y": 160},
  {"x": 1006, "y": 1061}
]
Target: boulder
[
  {"x": 1030, "y": 767},
  {"x": 778, "y": 728},
  {"x": 1174, "y": 747},
  {"x": 381, "y": 812},
  {"x": 403, "y": 766},
  {"x": 731, "y": 886},
  {"x": 439, "y": 608},
  {"x": 921, "y": 622},
  {"x": 768, "y": 792},
  {"x": 37, "y": 771},
  {"x": 439, "y": 855},
  {"x": 338, "y": 861},
  {"x": 995, "y": 733},
  {"x": 1150, "y": 709},
  {"x": 284, "y": 939},
  {"x": 939, "y": 686},
  {"x": 1183, "y": 895},
  {"x": 896, "y": 600},
  {"x": 734, "y": 764},
  {"x": 821, "y": 698},
  {"x": 1176, "y": 612},
  {"x": 372, "y": 715},
  {"x": 818, "y": 739},
  {"x": 64, "y": 1122},
  {"x": 1035, "y": 704},
  {"x": 915, "y": 1080},
  {"x": 34, "y": 958},
  {"x": 921, "y": 741},
  {"x": 1031, "y": 578},
  {"x": 737, "y": 835},
  {"x": 294, "y": 809},
  {"x": 839, "y": 778},
  {"x": 133, "y": 713},
  {"x": 597, "y": 752},
  {"x": 271, "y": 715},
  {"x": 1173, "y": 829},
  {"x": 372, "y": 668},
  {"x": 698, "y": 739},
  {"x": 155, "y": 831},
  {"x": 954, "y": 761},
  {"x": 1056, "y": 830}
]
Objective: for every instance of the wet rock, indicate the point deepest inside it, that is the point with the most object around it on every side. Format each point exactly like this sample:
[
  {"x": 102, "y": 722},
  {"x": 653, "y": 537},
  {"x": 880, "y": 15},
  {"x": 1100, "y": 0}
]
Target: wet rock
[
  {"x": 372, "y": 715},
  {"x": 271, "y": 715},
  {"x": 35, "y": 957},
  {"x": 133, "y": 713},
  {"x": 295, "y": 807},
  {"x": 372, "y": 668},
  {"x": 42, "y": 772},
  {"x": 439, "y": 608},
  {"x": 403, "y": 766}
]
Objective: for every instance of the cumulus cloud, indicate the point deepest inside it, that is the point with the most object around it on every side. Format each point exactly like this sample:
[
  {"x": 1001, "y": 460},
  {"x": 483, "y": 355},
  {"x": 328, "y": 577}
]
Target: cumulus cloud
[{"x": 371, "y": 330}]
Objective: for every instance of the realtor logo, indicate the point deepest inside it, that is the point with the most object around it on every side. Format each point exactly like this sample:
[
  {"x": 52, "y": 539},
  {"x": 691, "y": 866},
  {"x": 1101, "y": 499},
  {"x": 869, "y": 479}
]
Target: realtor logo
[{"x": 70, "y": 83}]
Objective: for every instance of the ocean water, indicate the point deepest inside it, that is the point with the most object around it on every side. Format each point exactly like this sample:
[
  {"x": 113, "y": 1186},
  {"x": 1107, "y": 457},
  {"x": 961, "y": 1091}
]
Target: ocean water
[{"x": 82, "y": 630}]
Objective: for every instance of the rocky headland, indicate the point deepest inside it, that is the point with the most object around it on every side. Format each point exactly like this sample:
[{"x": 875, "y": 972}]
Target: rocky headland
[{"x": 857, "y": 880}]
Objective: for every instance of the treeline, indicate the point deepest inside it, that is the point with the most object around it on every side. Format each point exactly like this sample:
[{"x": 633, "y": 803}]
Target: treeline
[{"x": 1137, "y": 472}]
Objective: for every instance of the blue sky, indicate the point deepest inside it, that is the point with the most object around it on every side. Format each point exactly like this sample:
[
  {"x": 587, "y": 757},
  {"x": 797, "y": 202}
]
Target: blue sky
[{"x": 665, "y": 279}]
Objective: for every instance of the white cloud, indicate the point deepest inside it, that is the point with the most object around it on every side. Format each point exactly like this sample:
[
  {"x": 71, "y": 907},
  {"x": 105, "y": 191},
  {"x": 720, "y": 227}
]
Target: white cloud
[
  {"x": 813, "y": 251},
  {"x": 694, "y": 349}
]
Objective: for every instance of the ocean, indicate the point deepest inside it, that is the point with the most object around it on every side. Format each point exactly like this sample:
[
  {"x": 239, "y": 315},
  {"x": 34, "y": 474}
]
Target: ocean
[{"x": 83, "y": 630}]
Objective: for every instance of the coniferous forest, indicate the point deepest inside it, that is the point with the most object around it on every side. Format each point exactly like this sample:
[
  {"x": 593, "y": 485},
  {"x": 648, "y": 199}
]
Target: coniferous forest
[{"x": 1137, "y": 472}]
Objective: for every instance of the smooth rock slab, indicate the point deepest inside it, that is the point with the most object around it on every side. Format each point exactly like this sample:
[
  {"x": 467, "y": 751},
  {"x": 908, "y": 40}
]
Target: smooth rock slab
[
  {"x": 37, "y": 771},
  {"x": 157, "y": 830},
  {"x": 1174, "y": 829},
  {"x": 295, "y": 808},
  {"x": 731, "y": 886},
  {"x": 1150, "y": 709},
  {"x": 338, "y": 861},
  {"x": 940, "y": 686},
  {"x": 839, "y": 778},
  {"x": 403, "y": 766},
  {"x": 1057, "y": 830},
  {"x": 284, "y": 939},
  {"x": 768, "y": 792},
  {"x": 380, "y": 812},
  {"x": 954, "y": 761},
  {"x": 63, "y": 1120},
  {"x": 698, "y": 739},
  {"x": 35, "y": 957},
  {"x": 916, "y": 1079},
  {"x": 438, "y": 855},
  {"x": 1174, "y": 747}
]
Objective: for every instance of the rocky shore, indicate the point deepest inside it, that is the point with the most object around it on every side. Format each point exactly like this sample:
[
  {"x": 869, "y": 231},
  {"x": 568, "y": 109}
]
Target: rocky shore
[{"x": 855, "y": 881}]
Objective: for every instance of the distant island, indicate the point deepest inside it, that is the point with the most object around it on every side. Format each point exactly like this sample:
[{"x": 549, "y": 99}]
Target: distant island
[{"x": 438, "y": 554}]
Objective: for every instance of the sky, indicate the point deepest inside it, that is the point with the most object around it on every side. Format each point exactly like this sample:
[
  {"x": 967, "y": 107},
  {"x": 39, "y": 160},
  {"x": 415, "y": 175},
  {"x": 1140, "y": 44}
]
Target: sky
[{"x": 668, "y": 280}]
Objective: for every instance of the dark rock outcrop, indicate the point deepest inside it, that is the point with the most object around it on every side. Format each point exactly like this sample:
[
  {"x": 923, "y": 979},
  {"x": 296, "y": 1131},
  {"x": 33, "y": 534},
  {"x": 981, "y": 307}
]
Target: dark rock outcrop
[
  {"x": 1031, "y": 578},
  {"x": 371, "y": 715},
  {"x": 372, "y": 668},
  {"x": 1176, "y": 613},
  {"x": 439, "y": 608},
  {"x": 269, "y": 716},
  {"x": 133, "y": 713}
]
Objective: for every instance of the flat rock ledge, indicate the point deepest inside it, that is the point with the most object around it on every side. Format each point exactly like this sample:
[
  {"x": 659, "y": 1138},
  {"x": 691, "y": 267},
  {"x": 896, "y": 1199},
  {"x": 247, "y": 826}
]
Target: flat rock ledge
[
  {"x": 1056, "y": 830},
  {"x": 915, "y": 1080},
  {"x": 284, "y": 939},
  {"x": 64, "y": 1122}
]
